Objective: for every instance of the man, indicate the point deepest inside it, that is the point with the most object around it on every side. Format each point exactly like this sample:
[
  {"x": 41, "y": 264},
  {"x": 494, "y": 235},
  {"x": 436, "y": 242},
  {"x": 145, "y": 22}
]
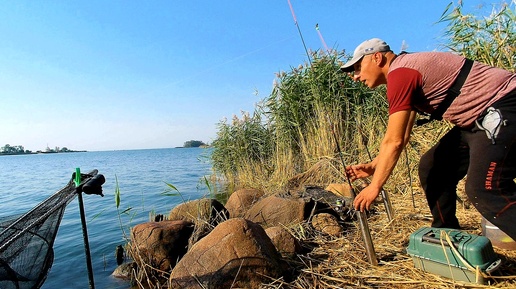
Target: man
[{"x": 482, "y": 144}]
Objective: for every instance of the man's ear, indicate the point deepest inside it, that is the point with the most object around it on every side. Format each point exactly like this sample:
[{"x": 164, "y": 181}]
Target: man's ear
[
  {"x": 380, "y": 59},
  {"x": 377, "y": 58}
]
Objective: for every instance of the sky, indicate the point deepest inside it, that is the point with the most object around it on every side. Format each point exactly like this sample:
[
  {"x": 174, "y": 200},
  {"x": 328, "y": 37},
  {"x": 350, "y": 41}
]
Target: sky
[{"x": 116, "y": 75}]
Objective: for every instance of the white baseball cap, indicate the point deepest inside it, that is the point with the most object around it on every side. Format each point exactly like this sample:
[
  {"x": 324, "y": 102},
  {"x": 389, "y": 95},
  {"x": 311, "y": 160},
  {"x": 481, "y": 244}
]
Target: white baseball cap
[{"x": 367, "y": 47}]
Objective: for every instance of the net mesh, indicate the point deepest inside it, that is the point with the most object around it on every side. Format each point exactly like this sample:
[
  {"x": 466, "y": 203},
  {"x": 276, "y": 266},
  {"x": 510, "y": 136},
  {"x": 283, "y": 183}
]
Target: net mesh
[{"x": 26, "y": 241}]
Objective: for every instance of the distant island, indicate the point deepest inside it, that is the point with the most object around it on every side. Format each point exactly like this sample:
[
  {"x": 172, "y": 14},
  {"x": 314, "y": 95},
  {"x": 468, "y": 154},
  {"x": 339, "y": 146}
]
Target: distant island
[
  {"x": 20, "y": 150},
  {"x": 194, "y": 144}
]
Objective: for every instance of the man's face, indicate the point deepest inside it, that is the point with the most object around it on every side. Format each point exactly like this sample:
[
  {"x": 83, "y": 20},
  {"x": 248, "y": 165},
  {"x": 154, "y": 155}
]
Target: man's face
[{"x": 366, "y": 71}]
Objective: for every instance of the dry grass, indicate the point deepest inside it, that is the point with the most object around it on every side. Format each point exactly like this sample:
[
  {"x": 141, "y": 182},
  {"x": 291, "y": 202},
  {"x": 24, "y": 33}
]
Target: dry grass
[{"x": 342, "y": 262}]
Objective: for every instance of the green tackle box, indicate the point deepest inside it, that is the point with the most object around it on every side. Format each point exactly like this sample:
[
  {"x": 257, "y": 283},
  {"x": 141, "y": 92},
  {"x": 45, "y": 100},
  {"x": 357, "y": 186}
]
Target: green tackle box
[{"x": 471, "y": 259}]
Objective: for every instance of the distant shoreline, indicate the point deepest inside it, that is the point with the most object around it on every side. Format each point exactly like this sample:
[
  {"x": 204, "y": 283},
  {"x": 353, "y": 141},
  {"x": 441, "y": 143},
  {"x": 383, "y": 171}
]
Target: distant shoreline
[
  {"x": 82, "y": 151},
  {"x": 39, "y": 152}
]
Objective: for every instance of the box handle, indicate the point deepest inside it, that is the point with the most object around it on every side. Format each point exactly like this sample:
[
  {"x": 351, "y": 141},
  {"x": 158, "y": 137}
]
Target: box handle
[{"x": 431, "y": 237}]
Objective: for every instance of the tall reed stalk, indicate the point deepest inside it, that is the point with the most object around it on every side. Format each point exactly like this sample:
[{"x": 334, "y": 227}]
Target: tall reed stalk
[{"x": 490, "y": 39}]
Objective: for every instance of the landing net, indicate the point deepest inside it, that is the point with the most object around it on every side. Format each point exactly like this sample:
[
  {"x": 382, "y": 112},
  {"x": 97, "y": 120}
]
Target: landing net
[{"x": 26, "y": 241}]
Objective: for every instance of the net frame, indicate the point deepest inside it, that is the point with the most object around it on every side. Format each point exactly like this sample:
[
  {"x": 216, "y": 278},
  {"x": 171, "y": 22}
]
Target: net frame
[{"x": 26, "y": 241}]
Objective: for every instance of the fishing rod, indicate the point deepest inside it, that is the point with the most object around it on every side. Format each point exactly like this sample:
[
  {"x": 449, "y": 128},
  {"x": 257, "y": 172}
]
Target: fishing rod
[
  {"x": 364, "y": 227},
  {"x": 92, "y": 186},
  {"x": 362, "y": 217}
]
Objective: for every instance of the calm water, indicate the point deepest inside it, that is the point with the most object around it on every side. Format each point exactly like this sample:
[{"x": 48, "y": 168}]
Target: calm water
[{"x": 142, "y": 175}]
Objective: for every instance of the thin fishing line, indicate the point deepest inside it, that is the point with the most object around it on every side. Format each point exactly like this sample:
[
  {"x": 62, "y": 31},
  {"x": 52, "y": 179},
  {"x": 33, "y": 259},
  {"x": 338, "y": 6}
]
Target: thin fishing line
[
  {"x": 321, "y": 37},
  {"x": 241, "y": 56},
  {"x": 365, "y": 141}
]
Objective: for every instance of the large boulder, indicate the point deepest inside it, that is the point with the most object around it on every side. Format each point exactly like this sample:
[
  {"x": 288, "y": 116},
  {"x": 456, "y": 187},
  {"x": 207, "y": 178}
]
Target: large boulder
[
  {"x": 273, "y": 211},
  {"x": 160, "y": 244},
  {"x": 236, "y": 254},
  {"x": 241, "y": 200}
]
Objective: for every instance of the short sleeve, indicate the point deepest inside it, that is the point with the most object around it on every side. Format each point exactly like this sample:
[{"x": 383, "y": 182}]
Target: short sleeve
[{"x": 403, "y": 86}]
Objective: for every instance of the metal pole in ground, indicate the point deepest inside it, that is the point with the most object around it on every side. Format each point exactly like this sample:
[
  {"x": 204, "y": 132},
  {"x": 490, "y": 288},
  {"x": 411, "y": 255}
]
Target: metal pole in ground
[
  {"x": 84, "y": 228},
  {"x": 86, "y": 242}
]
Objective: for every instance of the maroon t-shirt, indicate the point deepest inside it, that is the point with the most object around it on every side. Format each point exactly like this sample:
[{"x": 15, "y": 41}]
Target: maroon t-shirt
[{"x": 420, "y": 81}]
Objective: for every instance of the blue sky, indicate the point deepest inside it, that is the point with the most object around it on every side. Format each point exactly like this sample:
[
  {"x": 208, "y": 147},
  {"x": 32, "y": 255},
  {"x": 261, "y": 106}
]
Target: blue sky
[{"x": 111, "y": 75}]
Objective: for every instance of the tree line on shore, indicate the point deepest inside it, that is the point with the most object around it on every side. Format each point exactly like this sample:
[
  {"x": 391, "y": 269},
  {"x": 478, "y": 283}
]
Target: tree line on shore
[
  {"x": 194, "y": 144},
  {"x": 20, "y": 150}
]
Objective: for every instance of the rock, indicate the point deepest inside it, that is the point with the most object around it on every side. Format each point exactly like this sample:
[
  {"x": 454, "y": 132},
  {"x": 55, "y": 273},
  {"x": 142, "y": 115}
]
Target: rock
[
  {"x": 328, "y": 224},
  {"x": 160, "y": 244},
  {"x": 124, "y": 271},
  {"x": 236, "y": 254},
  {"x": 286, "y": 244},
  {"x": 200, "y": 211},
  {"x": 273, "y": 211},
  {"x": 342, "y": 190},
  {"x": 241, "y": 200}
]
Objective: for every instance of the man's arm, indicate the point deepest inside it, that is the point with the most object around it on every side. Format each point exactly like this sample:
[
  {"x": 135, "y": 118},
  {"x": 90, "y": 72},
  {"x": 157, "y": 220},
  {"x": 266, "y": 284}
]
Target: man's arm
[
  {"x": 408, "y": 132},
  {"x": 396, "y": 137}
]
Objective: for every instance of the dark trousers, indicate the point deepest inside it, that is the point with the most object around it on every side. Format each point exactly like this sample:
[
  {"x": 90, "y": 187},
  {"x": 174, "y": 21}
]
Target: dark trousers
[{"x": 490, "y": 169}]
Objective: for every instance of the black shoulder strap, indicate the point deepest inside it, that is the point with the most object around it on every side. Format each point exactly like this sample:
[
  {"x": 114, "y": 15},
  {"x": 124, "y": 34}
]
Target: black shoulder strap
[
  {"x": 453, "y": 91},
  {"x": 451, "y": 94}
]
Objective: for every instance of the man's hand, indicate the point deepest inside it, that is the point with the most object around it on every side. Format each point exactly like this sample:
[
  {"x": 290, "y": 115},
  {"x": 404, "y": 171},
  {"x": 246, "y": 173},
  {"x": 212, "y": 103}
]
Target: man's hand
[
  {"x": 365, "y": 198},
  {"x": 396, "y": 137},
  {"x": 359, "y": 171}
]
